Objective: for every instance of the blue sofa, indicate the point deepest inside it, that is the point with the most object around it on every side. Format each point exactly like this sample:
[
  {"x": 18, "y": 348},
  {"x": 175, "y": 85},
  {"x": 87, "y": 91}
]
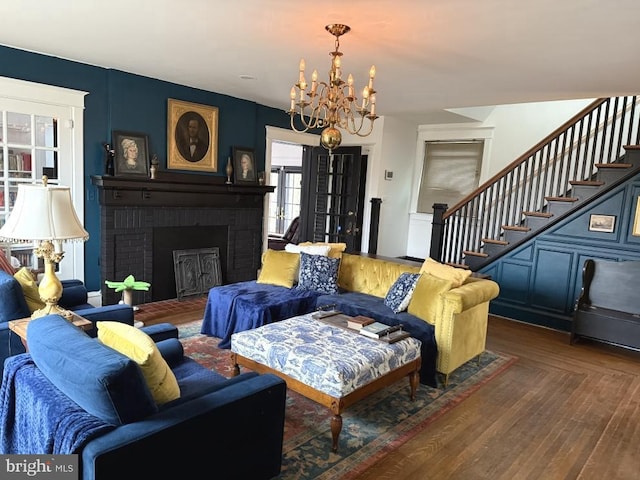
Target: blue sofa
[
  {"x": 73, "y": 394},
  {"x": 74, "y": 297}
]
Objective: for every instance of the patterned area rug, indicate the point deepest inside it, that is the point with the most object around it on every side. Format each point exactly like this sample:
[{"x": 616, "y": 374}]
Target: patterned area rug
[{"x": 371, "y": 428}]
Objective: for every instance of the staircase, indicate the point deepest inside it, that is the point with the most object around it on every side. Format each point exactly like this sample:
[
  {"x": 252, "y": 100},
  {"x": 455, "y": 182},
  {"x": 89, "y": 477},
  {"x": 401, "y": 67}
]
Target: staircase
[{"x": 590, "y": 154}]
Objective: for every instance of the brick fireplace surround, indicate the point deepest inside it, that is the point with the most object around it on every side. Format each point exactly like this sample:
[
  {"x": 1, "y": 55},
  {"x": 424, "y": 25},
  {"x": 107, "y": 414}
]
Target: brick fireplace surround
[{"x": 142, "y": 221}]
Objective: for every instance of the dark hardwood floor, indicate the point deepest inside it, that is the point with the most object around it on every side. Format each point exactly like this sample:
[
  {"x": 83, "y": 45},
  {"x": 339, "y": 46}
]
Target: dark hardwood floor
[{"x": 560, "y": 411}]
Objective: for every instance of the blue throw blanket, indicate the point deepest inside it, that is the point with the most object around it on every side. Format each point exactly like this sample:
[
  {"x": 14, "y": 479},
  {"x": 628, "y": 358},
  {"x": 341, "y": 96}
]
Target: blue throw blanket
[
  {"x": 247, "y": 305},
  {"x": 36, "y": 417}
]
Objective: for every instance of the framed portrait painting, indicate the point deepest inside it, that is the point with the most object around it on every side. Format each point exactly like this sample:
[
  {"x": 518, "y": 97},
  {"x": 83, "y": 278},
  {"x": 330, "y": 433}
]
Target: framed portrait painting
[
  {"x": 131, "y": 153},
  {"x": 192, "y": 136},
  {"x": 244, "y": 166}
]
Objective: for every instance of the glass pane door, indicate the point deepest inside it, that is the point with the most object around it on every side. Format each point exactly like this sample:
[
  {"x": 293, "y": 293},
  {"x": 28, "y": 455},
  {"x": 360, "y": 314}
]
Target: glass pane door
[{"x": 284, "y": 202}]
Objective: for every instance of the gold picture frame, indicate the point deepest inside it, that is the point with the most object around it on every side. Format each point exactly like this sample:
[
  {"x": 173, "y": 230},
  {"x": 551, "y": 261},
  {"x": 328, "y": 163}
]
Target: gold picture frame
[
  {"x": 192, "y": 136},
  {"x": 636, "y": 222}
]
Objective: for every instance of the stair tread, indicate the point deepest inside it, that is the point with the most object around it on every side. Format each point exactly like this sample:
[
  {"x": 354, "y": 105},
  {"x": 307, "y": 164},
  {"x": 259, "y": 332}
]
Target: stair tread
[
  {"x": 517, "y": 228},
  {"x": 561, "y": 199},
  {"x": 587, "y": 183},
  {"x": 614, "y": 165},
  {"x": 475, "y": 254},
  {"x": 458, "y": 265},
  {"x": 496, "y": 242},
  {"x": 538, "y": 214}
]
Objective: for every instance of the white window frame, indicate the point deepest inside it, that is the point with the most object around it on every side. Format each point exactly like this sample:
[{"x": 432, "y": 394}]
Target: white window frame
[
  {"x": 67, "y": 106},
  {"x": 432, "y": 133}
]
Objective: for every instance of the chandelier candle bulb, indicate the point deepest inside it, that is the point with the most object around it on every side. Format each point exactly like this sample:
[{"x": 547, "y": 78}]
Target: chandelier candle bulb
[
  {"x": 365, "y": 96},
  {"x": 301, "y": 79}
]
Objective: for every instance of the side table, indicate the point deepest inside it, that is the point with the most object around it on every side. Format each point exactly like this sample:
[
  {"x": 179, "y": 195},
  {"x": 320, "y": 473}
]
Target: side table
[{"x": 19, "y": 327}]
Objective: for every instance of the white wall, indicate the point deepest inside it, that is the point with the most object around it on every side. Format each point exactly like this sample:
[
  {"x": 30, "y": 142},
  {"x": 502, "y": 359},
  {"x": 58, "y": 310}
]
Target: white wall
[
  {"x": 398, "y": 154},
  {"x": 519, "y": 127},
  {"x": 390, "y": 147},
  {"x": 509, "y": 131}
]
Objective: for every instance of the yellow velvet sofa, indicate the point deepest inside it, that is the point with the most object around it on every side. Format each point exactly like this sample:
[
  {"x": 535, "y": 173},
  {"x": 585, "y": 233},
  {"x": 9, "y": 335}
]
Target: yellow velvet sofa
[
  {"x": 446, "y": 309},
  {"x": 458, "y": 313}
]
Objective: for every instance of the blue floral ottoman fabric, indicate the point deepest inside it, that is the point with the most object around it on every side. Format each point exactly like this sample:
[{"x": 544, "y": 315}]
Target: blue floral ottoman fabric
[{"x": 327, "y": 358}]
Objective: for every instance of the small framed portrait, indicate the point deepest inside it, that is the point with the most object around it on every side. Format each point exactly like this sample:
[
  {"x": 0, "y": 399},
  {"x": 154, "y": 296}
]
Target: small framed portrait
[
  {"x": 131, "y": 152},
  {"x": 244, "y": 166},
  {"x": 602, "y": 223},
  {"x": 192, "y": 136}
]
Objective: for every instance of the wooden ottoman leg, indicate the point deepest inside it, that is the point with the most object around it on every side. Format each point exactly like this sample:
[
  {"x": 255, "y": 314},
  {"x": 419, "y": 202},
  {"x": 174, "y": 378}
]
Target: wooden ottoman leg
[
  {"x": 336, "y": 428},
  {"x": 234, "y": 362},
  {"x": 336, "y": 423},
  {"x": 414, "y": 379}
]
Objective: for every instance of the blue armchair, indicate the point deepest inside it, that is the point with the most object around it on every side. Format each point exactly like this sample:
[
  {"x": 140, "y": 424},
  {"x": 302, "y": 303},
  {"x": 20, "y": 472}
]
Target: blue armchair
[
  {"x": 74, "y": 297},
  {"x": 73, "y": 394}
]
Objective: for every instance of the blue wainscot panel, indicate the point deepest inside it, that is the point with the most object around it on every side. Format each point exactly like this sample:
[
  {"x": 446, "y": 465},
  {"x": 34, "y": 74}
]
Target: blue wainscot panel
[
  {"x": 553, "y": 276},
  {"x": 514, "y": 282}
]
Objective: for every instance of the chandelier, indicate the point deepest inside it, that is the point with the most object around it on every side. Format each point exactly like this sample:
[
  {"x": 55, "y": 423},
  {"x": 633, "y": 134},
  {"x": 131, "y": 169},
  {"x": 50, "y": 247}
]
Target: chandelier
[{"x": 333, "y": 104}]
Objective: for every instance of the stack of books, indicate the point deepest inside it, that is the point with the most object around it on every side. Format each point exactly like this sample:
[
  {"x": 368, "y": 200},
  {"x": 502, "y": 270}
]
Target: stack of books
[
  {"x": 359, "y": 321},
  {"x": 384, "y": 333}
]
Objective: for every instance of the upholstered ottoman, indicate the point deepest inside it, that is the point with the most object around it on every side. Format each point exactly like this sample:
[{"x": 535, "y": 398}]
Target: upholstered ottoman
[{"x": 331, "y": 365}]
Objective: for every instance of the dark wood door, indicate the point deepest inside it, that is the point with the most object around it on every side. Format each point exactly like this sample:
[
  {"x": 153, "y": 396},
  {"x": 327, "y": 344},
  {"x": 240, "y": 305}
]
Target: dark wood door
[{"x": 333, "y": 196}]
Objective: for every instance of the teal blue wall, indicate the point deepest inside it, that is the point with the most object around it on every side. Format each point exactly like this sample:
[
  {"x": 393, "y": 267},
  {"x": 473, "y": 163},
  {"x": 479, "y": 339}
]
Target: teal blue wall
[
  {"x": 118, "y": 100},
  {"x": 541, "y": 279}
]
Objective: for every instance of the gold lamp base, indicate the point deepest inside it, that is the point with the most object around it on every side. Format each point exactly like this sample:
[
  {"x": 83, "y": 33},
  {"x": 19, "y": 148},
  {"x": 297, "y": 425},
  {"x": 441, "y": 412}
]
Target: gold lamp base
[
  {"x": 52, "y": 310},
  {"x": 50, "y": 288}
]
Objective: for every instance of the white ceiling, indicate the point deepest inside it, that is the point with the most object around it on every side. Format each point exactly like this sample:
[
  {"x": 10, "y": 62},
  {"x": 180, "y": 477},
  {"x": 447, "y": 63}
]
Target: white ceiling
[{"x": 430, "y": 55}]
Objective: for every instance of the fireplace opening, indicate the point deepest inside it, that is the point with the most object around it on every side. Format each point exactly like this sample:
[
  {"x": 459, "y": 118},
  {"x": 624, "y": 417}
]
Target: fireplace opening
[{"x": 168, "y": 239}]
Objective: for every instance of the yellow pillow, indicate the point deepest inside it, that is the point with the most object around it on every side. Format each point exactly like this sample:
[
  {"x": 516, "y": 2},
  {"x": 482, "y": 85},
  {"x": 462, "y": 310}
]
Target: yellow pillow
[
  {"x": 29, "y": 289},
  {"x": 336, "y": 248},
  {"x": 139, "y": 347},
  {"x": 426, "y": 297},
  {"x": 446, "y": 272},
  {"x": 279, "y": 268}
]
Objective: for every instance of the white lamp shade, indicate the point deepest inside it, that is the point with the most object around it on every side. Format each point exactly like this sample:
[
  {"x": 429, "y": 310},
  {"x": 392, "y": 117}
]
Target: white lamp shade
[{"x": 43, "y": 212}]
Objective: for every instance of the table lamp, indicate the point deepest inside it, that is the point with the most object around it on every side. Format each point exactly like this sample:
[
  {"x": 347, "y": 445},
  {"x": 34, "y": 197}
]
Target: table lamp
[{"x": 44, "y": 215}]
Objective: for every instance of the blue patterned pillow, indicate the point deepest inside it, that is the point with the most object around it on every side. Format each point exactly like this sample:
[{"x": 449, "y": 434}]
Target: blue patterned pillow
[
  {"x": 399, "y": 295},
  {"x": 318, "y": 273}
]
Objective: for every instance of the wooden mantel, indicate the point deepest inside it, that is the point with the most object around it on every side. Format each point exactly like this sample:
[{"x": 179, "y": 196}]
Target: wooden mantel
[{"x": 177, "y": 189}]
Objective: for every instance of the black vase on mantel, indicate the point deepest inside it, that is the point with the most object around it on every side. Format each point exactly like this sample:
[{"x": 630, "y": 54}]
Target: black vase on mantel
[{"x": 109, "y": 159}]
